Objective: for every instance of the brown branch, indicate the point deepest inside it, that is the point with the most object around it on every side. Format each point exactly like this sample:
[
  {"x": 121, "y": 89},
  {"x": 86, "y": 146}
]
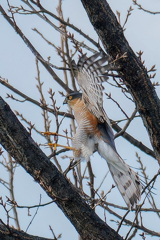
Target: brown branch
[
  {"x": 37, "y": 3},
  {"x": 133, "y": 141},
  {"x": 91, "y": 177},
  {"x": 152, "y": 180},
  {"x": 128, "y": 14},
  {"x": 21, "y": 10},
  {"x": 11, "y": 173},
  {"x": 5, "y": 83},
  {"x": 135, "y": 225},
  {"x": 34, "y": 215},
  {"x": 145, "y": 10},
  {"x": 35, "y": 52},
  {"x": 8, "y": 233},
  {"x": 104, "y": 203},
  {"x": 109, "y": 97},
  {"x": 127, "y": 124}
]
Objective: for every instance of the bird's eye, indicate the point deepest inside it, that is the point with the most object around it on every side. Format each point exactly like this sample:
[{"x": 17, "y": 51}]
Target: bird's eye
[{"x": 70, "y": 97}]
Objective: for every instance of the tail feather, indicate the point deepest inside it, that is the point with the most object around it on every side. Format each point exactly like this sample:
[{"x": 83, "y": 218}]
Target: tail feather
[{"x": 128, "y": 184}]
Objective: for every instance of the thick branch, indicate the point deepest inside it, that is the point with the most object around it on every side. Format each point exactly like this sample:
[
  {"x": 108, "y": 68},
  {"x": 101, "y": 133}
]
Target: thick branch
[
  {"x": 17, "y": 141},
  {"x": 7, "y": 233},
  {"x": 131, "y": 70}
]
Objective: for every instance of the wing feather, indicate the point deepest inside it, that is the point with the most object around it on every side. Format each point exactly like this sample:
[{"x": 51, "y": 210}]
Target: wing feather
[{"x": 87, "y": 72}]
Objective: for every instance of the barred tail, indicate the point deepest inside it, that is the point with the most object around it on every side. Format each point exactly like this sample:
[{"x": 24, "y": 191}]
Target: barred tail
[{"x": 128, "y": 184}]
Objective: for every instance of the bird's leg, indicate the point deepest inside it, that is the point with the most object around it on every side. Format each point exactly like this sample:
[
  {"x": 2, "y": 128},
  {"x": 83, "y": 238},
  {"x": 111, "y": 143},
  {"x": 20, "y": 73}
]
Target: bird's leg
[
  {"x": 55, "y": 145},
  {"x": 55, "y": 134}
]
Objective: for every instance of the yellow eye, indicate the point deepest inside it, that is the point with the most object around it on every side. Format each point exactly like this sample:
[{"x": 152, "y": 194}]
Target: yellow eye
[{"x": 70, "y": 97}]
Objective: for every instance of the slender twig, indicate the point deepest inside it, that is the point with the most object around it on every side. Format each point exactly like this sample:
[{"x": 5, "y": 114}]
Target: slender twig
[
  {"x": 133, "y": 141},
  {"x": 43, "y": 16},
  {"x": 109, "y": 96},
  {"x": 11, "y": 172},
  {"x": 102, "y": 181},
  {"x": 35, "y": 52},
  {"x": 5, "y": 83},
  {"x": 125, "y": 208},
  {"x": 126, "y": 125},
  {"x": 153, "y": 233},
  {"x": 64, "y": 22},
  {"x": 91, "y": 177},
  {"x": 145, "y": 10},
  {"x": 4, "y": 183},
  {"x": 55, "y": 238},
  {"x": 128, "y": 14},
  {"x": 34, "y": 215},
  {"x": 152, "y": 180},
  {"x": 29, "y": 207},
  {"x": 120, "y": 224}
]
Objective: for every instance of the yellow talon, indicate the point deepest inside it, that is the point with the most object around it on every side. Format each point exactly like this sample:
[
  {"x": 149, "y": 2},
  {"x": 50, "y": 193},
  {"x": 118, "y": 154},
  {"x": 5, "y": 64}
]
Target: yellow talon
[
  {"x": 55, "y": 134},
  {"x": 55, "y": 145},
  {"x": 49, "y": 133}
]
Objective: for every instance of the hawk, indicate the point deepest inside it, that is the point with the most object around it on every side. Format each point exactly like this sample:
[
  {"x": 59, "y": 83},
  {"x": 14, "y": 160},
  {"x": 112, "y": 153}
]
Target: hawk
[{"x": 94, "y": 131}]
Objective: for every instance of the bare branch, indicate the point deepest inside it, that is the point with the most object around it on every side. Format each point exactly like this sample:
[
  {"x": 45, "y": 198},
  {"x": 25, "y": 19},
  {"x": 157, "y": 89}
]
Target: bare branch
[
  {"x": 141, "y": 8},
  {"x": 35, "y": 52},
  {"x": 127, "y": 124},
  {"x": 5, "y": 83},
  {"x": 8, "y": 233},
  {"x": 64, "y": 22}
]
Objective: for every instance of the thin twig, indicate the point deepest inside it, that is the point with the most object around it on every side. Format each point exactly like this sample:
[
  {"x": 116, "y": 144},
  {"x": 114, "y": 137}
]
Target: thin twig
[
  {"x": 126, "y": 125},
  {"x": 120, "y": 224},
  {"x": 5, "y": 83},
  {"x": 152, "y": 233},
  {"x": 35, "y": 52},
  {"x": 11, "y": 172},
  {"x": 65, "y": 23},
  {"x": 109, "y": 96},
  {"x": 34, "y": 215},
  {"x": 145, "y": 10}
]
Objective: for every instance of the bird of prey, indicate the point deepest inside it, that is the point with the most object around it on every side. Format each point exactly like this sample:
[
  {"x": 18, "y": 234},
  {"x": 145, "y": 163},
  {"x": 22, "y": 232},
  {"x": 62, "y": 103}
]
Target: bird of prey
[{"x": 94, "y": 131}]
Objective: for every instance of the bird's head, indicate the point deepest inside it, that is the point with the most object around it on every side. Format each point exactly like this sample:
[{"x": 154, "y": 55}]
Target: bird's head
[{"x": 72, "y": 98}]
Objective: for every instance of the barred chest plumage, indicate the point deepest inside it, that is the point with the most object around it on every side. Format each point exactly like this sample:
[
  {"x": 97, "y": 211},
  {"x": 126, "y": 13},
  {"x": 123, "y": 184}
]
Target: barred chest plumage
[{"x": 85, "y": 140}]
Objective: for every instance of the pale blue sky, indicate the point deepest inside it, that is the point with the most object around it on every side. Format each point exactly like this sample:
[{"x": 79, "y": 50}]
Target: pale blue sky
[{"x": 17, "y": 64}]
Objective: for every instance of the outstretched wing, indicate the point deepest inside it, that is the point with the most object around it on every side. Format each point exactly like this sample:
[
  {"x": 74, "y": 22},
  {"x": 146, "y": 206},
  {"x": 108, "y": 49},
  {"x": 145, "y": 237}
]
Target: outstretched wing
[{"x": 90, "y": 74}]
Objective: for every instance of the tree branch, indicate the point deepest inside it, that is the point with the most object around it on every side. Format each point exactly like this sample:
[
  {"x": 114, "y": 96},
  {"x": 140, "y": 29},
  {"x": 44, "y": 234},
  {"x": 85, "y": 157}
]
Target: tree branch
[
  {"x": 37, "y": 3},
  {"x": 133, "y": 141},
  {"x": 35, "y": 52},
  {"x": 8, "y": 233}
]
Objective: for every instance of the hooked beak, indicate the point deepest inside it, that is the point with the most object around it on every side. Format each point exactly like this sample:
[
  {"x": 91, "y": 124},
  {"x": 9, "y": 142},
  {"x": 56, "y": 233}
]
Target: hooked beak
[{"x": 65, "y": 101}]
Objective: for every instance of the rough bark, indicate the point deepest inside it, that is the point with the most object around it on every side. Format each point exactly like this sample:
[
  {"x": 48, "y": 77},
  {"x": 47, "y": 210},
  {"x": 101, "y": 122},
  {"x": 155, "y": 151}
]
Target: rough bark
[
  {"x": 131, "y": 70},
  {"x": 13, "y": 234},
  {"x": 19, "y": 144}
]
